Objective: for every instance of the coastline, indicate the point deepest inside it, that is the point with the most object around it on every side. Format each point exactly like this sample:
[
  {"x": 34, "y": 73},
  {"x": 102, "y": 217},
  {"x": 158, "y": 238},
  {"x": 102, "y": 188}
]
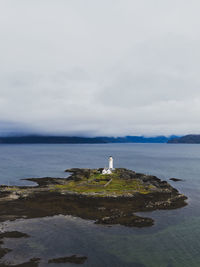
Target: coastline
[
  {"x": 99, "y": 203},
  {"x": 85, "y": 197}
]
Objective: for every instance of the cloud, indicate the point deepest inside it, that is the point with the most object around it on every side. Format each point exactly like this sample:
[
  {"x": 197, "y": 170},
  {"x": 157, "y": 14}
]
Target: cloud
[{"x": 100, "y": 67}]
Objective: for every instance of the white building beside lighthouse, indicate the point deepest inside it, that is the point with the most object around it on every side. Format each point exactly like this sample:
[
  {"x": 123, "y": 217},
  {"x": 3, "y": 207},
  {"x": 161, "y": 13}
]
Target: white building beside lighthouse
[{"x": 110, "y": 168}]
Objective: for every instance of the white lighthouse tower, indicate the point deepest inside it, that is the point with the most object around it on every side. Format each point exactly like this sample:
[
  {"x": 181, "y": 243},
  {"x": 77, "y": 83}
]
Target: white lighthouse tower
[
  {"x": 111, "y": 163},
  {"x": 110, "y": 168}
]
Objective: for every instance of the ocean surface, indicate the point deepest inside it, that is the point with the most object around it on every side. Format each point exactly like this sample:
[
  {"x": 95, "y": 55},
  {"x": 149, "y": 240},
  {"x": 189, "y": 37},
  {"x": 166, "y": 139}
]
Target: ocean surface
[{"x": 173, "y": 241}]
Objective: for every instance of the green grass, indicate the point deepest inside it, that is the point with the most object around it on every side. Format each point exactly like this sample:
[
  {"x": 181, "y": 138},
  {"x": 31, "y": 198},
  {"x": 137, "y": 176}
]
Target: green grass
[{"x": 95, "y": 184}]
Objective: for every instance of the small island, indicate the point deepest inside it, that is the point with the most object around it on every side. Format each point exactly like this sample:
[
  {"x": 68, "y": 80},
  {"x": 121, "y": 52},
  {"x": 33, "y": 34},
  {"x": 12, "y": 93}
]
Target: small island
[
  {"x": 107, "y": 196},
  {"x": 95, "y": 194}
]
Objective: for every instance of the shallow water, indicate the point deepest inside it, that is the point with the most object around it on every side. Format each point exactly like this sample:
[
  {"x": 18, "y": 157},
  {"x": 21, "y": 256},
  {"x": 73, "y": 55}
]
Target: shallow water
[{"x": 172, "y": 241}]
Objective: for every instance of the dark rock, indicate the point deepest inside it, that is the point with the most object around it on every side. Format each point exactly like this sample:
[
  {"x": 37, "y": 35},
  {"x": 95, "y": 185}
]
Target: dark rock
[
  {"x": 70, "y": 259},
  {"x": 13, "y": 234},
  {"x": 175, "y": 179},
  {"x": 3, "y": 252},
  {"x": 32, "y": 263},
  {"x": 45, "y": 181},
  {"x": 127, "y": 220}
]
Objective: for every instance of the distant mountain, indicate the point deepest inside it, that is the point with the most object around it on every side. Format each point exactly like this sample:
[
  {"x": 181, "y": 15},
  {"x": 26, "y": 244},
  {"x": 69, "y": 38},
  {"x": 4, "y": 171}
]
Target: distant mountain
[
  {"x": 187, "y": 139},
  {"x": 136, "y": 139},
  {"x": 37, "y": 139},
  {"x": 40, "y": 139}
]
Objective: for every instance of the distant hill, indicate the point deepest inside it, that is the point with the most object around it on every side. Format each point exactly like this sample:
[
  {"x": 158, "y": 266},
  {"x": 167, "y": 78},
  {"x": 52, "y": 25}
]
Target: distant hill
[
  {"x": 137, "y": 139},
  {"x": 187, "y": 139},
  {"x": 37, "y": 139},
  {"x": 40, "y": 139}
]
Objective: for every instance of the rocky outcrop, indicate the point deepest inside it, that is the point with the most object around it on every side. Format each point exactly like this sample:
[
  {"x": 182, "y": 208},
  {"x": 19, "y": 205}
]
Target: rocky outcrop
[
  {"x": 70, "y": 259},
  {"x": 176, "y": 179}
]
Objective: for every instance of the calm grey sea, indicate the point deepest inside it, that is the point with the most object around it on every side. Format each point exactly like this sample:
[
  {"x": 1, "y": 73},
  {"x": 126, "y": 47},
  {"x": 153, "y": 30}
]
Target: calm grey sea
[{"x": 173, "y": 241}]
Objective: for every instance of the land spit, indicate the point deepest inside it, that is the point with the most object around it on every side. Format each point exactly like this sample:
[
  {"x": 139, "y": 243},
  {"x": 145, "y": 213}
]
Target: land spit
[{"x": 88, "y": 194}]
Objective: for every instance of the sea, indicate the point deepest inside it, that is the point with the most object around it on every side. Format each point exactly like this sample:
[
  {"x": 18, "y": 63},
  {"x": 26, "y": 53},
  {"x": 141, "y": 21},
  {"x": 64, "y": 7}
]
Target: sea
[{"x": 173, "y": 241}]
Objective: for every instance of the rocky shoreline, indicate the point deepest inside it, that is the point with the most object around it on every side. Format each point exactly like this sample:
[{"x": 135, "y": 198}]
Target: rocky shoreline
[
  {"x": 86, "y": 193},
  {"x": 53, "y": 196}
]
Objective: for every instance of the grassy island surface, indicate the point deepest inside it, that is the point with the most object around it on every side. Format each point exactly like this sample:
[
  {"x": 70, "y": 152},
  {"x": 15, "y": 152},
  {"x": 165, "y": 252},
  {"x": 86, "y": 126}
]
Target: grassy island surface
[{"x": 94, "y": 182}]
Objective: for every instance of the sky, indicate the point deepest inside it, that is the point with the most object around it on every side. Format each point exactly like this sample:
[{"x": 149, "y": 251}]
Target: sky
[{"x": 96, "y": 68}]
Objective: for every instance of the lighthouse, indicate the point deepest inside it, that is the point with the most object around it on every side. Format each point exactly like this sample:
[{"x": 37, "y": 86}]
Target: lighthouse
[
  {"x": 110, "y": 168},
  {"x": 111, "y": 163}
]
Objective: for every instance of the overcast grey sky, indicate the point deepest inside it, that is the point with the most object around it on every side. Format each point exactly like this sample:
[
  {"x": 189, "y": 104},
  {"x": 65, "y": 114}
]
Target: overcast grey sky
[{"x": 108, "y": 67}]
